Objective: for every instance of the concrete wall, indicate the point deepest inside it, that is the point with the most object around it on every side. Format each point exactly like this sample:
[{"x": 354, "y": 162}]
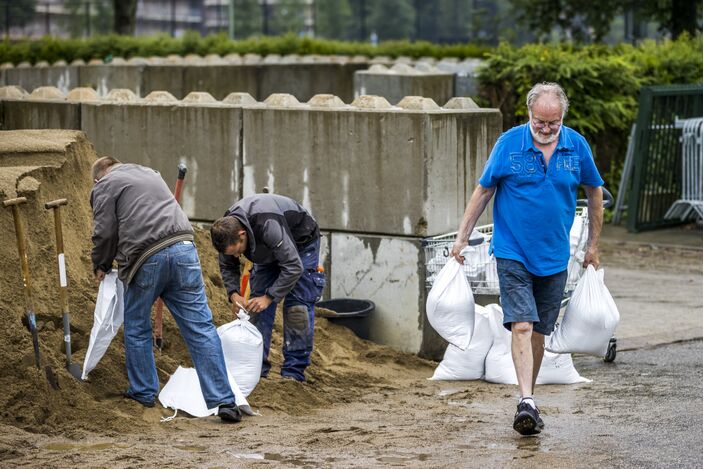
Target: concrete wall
[
  {"x": 205, "y": 138},
  {"x": 64, "y": 77},
  {"x": 376, "y": 177},
  {"x": 402, "y": 80}
]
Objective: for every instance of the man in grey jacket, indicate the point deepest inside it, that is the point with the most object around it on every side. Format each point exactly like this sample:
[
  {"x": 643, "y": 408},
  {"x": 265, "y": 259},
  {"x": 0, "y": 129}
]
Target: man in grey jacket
[
  {"x": 283, "y": 241},
  {"x": 138, "y": 223}
]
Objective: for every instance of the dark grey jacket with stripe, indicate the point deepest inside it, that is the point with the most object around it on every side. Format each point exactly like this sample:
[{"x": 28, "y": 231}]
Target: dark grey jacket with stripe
[
  {"x": 277, "y": 228},
  {"x": 134, "y": 216}
]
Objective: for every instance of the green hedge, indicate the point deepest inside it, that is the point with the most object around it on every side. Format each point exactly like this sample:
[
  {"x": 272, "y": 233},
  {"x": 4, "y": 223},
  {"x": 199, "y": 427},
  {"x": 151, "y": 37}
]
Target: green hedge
[
  {"x": 602, "y": 83},
  {"x": 101, "y": 47}
]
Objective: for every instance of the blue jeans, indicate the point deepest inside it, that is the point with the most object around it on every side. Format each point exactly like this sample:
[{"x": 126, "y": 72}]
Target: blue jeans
[
  {"x": 174, "y": 273},
  {"x": 529, "y": 298},
  {"x": 298, "y": 311}
]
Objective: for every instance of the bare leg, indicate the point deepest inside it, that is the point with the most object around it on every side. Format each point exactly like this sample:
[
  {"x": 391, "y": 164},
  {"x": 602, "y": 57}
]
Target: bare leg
[
  {"x": 537, "y": 341},
  {"x": 521, "y": 351}
]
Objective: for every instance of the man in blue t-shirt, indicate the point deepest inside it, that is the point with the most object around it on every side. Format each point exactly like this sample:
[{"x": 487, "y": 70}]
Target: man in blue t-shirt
[{"x": 534, "y": 170}]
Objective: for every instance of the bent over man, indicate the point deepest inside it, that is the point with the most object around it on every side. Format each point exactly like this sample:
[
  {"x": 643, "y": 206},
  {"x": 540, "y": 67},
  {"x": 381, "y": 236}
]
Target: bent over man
[
  {"x": 534, "y": 170},
  {"x": 138, "y": 223},
  {"x": 283, "y": 241}
]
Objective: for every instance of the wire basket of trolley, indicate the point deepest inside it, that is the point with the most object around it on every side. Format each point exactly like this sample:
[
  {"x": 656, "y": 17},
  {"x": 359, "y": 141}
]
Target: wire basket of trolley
[{"x": 480, "y": 267}]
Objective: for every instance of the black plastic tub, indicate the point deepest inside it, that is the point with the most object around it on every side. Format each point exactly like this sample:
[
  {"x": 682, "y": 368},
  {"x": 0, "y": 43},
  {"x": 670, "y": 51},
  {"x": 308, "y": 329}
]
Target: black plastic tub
[{"x": 350, "y": 313}]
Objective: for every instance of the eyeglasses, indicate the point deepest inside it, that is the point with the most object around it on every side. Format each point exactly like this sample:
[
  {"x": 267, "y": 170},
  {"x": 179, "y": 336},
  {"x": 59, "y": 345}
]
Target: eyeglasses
[{"x": 554, "y": 125}]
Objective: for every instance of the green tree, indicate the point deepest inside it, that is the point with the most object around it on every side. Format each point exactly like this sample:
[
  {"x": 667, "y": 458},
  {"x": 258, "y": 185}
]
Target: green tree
[
  {"x": 334, "y": 19},
  {"x": 78, "y": 23},
  {"x": 288, "y": 17},
  {"x": 391, "y": 19},
  {"x": 16, "y": 12},
  {"x": 248, "y": 18},
  {"x": 125, "y": 16}
]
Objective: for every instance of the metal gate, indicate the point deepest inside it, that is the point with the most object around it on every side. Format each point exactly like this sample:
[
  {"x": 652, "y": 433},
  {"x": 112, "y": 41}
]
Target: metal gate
[{"x": 657, "y": 171}]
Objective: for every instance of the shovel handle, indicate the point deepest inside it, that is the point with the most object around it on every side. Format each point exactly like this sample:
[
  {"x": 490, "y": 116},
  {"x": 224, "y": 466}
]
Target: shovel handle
[
  {"x": 55, "y": 203},
  {"x": 11, "y": 202}
]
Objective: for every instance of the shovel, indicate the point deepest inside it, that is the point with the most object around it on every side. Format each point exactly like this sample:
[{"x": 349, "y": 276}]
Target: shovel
[
  {"x": 29, "y": 314},
  {"x": 159, "y": 313},
  {"x": 55, "y": 205}
]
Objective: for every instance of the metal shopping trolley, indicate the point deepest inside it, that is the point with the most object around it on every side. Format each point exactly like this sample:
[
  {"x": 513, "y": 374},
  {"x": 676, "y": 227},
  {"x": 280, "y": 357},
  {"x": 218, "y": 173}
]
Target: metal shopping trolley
[{"x": 480, "y": 267}]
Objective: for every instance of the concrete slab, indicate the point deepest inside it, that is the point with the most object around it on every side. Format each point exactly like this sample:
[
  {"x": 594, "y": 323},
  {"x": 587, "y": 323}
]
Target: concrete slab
[{"x": 40, "y": 114}]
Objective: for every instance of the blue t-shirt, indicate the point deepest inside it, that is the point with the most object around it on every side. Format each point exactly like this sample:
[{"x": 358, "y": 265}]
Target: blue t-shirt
[{"x": 534, "y": 208}]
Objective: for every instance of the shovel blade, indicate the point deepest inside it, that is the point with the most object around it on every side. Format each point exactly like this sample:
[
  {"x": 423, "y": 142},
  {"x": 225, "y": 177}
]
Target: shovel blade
[
  {"x": 75, "y": 370},
  {"x": 51, "y": 377}
]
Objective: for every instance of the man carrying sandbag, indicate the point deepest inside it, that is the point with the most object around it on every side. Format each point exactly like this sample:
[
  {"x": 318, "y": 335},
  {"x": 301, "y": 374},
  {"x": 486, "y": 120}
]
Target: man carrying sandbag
[
  {"x": 534, "y": 170},
  {"x": 138, "y": 223},
  {"x": 282, "y": 239}
]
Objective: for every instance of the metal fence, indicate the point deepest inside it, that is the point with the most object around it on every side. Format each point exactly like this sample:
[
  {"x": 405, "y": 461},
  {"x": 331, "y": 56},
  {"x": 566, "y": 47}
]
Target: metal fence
[
  {"x": 690, "y": 204},
  {"x": 657, "y": 169}
]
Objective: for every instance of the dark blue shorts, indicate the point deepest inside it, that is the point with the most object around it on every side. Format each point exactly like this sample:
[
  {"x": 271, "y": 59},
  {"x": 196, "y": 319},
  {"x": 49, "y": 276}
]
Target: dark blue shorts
[{"x": 529, "y": 298}]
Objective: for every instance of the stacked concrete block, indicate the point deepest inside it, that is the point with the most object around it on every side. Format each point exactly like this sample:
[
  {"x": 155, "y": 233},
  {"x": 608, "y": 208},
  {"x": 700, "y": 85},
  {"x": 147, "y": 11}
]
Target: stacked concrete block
[
  {"x": 466, "y": 84},
  {"x": 378, "y": 178},
  {"x": 161, "y": 133},
  {"x": 104, "y": 77},
  {"x": 219, "y": 80},
  {"x": 45, "y": 108},
  {"x": 62, "y": 76},
  {"x": 404, "y": 80}
]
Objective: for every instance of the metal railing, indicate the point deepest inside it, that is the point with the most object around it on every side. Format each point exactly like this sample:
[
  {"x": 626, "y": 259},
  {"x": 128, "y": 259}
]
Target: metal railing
[{"x": 690, "y": 204}]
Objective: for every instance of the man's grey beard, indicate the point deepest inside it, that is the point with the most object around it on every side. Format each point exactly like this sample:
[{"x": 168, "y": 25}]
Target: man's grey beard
[{"x": 543, "y": 140}]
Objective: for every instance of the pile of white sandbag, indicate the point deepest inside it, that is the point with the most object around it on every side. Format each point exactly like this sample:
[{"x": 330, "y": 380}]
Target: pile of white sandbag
[{"x": 488, "y": 356}]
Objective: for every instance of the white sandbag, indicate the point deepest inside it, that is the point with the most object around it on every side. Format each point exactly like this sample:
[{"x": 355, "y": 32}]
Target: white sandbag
[
  {"x": 243, "y": 348},
  {"x": 183, "y": 392},
  {"x": 590, "y": 319},
  {"x": 498, "y": 366},
  {"x": 558, "y": 368},
  {"x": 107, "y": 319},
  {"x": 450, "y": 305},
  {"x": 468, "y": 364}
]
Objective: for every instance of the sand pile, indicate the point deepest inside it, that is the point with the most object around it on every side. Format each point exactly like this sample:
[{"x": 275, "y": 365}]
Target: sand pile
[{"x": 47, "y": 165}]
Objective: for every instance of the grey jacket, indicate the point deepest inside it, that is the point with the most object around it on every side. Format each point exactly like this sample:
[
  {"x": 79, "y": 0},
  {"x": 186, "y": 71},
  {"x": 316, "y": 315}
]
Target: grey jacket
[
  {"x": 134, "y": 216},
  {"x": 277, "y": 227}
]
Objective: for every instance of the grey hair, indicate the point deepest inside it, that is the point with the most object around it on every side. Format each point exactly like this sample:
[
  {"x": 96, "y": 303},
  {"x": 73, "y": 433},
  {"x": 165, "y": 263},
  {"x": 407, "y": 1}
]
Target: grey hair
[{"x": 547, "y": 88}]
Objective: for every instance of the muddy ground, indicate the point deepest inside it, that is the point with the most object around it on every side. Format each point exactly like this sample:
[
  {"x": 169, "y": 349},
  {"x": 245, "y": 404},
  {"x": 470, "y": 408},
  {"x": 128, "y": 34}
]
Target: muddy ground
[{"x": 364, "y": 405}]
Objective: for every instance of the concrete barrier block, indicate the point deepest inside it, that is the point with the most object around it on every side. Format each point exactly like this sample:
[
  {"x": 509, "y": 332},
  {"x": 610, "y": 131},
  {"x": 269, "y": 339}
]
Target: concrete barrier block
[
  {"x": 418, "y": 103},
  {"x": 193, "y": 59},
  {"x": 398, "y": 173},
  {"x": 326, "y": 101},
  {"x": 118, "y": 61},
  {"x": 404, "y": 81},
  {"x": 78, "y": 62},
  {"x": 42, "y": 64},
  {"x": 40, "y": 114},
  {"x": 239, "y": 99},
  {"x": 31, "y": 78},
  {"x": 174, "y": 59},
  {"x": 155, "y": 60},
  {"x": 390, "y": 272},
  {"x": 305, "y": 80},
  {"x": 359, "y": 59},
  {"x": 96, "y": 62},
  {"x": 214, "y": 59},
  {"x": 233, "y": 58},
  {"x": 371, "y": 102},
  {"x": 205, "y": 138},
  {"x": 82, "y": 94},
  {"x": 24, "y": 64},
  {"x": 121, "y": 95},
  {"x": 272, "y": 59},
  {"x": 156, "y": 97},
  {"x": 165, "y": 77},
  {"x": 221, "y": 80},
  {"x": 12, "y": 92},
  {"x": 402, "y": 59},
  {"x": 47, "y": 93},
  {"x": 461, "y": 103},
  {"x": 60, "y": 63},
  {"x": 104, "y": 77},
  {"x": 199, "y": 97}
]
